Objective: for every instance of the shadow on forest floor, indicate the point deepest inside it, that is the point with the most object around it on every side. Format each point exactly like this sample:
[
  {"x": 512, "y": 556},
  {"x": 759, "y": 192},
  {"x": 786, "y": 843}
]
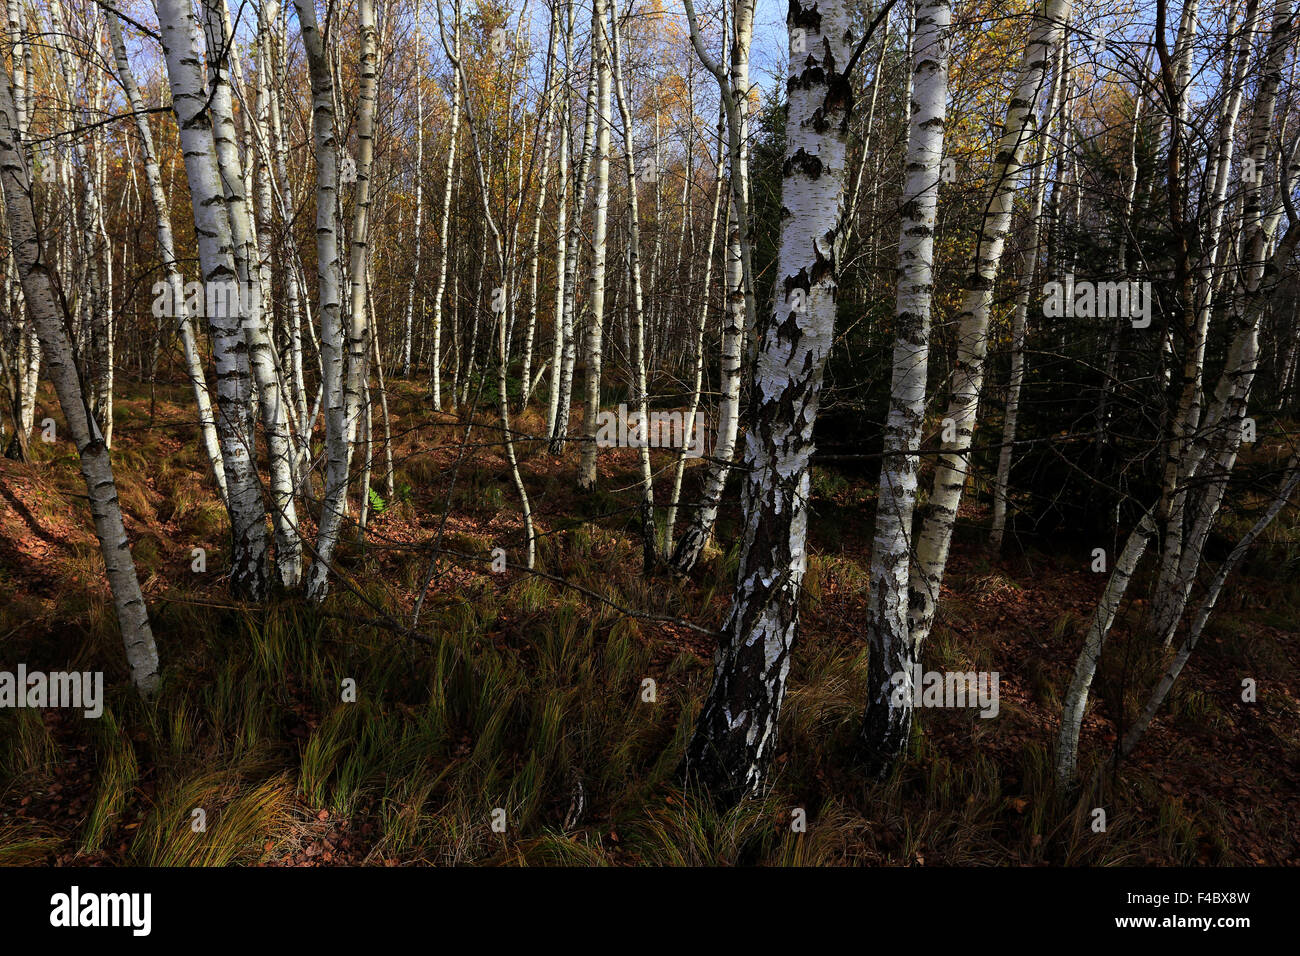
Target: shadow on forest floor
[{"x": 527, "y": 705}]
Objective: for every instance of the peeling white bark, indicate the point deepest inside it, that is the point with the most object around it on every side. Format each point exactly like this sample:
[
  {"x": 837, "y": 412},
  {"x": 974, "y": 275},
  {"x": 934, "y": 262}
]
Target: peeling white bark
[{"x": 735, "y": 736}]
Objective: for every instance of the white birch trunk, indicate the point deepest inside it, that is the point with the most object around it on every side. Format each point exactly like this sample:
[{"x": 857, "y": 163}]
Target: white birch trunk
[
  {"x": 1076, "y": 698},
  {"x": 888, "y": 721},
  {"x": 1289, "y": 483},
  {"x": 1020, "y": 318},
  {"x": 1220, "y": 434},
  {"x": 261, "y": 356},
  {"x": 419, "y": 195},
  {"x": 1018, "y": 132},
  {"x": 444, "y": 235},
  {"x": 96, "y": 468},
  {"x": 594, "y": 346},
  {"x": 735, "y": 736},
  {"x": 740, "y": 287},
  {"x": 343, "y": 412},
  {"x": 572, "y": 252},
  {"x": 559, "y": 331},
  {"x": 179, "y": 30},
  {"x": 167, "y": 246},
  {"x": 650, "y": 549},
  {"x": 700, "y": 326}
]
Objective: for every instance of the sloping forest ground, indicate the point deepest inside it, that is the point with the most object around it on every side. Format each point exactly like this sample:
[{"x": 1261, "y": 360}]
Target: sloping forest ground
[{"x": 523, "y": 694}]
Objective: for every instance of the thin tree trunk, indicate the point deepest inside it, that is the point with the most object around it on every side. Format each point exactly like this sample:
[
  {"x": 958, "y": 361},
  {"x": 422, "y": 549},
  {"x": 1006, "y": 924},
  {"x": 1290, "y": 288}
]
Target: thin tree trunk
[
  {"x": 444, "y": 234},
  {"x": 1018, "y": 132},
  {"x": 167, "y": 247},
  {"x": 1221, "y": 432},
  {"x": 1076, "y": 698},
  {"x": 887, "y": 722},
  {"x": 1289, "y": 483},
  {"x": 701, "y": 325},
  {"x": 419, "y": 196},
  {"x": 594, "y": 346},
  {"x": 740, "y": 285},
  {"x": 572, "y": 251},
  {"x": 1020, "y": 317},
  {"x": 96, "y": 468},
  {"x": 179, "y": 29},
  {"x": 345, "y": 408},
  {"x": 649, "y": 548},
  {"x": 261, "y": 357},
  {"x": 560, "y": 331}
]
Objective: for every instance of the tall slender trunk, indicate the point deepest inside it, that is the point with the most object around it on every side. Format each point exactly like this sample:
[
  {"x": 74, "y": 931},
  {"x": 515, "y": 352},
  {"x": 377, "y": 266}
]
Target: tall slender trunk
[
  {"x": 343, "y": 412},
  {"x": 1290, "y": 481},
  {"x": 559, "y": 330},
  {"x": 24, "y": 364},
  {"x": 297, "y": 299},
  {"x": 1186, "y": 418},
  {"x": 180, "y": 33},
  {"x": 1220, "y": 433},
  {"x": 887, "y": 722},
  {"x": 444, "y": 234},
  {"x": 1085, "y": 668},
  {"x": 97, "y": 293},
  {"x": 1018, "y": 132},
  {"x": 419, "y": 196},
  {"x": 700, "y": 326},
  {"x": 261, "y": 354},
  {"x": 740, "y": 283},
  {"x": 735, "y": 737},
  {"x": 501, "y": 323},
  {"x": 96, "y": 468},
  {"x": 649, "y": 545},
  {"x": 1020, "y": 317},
  {"x": 593, "y": 351},
  {"x": 572, "y": 251},
  {"x": 167, "y": 248}
]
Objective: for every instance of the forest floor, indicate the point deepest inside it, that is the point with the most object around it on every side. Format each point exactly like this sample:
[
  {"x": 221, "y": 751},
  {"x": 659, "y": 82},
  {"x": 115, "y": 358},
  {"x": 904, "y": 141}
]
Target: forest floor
[{"x": 527, "y": 696}]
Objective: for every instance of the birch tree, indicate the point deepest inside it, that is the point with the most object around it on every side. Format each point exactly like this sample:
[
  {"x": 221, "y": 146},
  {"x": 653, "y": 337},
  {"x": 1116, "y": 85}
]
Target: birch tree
[
  {"x": 167, "y": 248},
  {"x": 888, "y": 720},
  {"x": 593, "y": 351},
  {"x": 345, "y": 371},
  {"x": 1085, "y": 668},
  {"x": 640, "y": 396},
  {"x": 94, "y": 292},
  {"x": 572, "y": 250},
  {"x": 1213, "y": 452},
  {"x": 23, "y": 362},
  {"x": 1020, "y": 317},
  {"x": 735, "y": 736},
  {"x": 92, "y": 450},
  {"x": 179, "y": 30},
  {"x": 562, "y": 333},
  {"x": 1290, "y": 481},
  {"x": 419, "y": 197},
  {"x": 734, "y": 90},
  {"x": 1018, "y": 132}
]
